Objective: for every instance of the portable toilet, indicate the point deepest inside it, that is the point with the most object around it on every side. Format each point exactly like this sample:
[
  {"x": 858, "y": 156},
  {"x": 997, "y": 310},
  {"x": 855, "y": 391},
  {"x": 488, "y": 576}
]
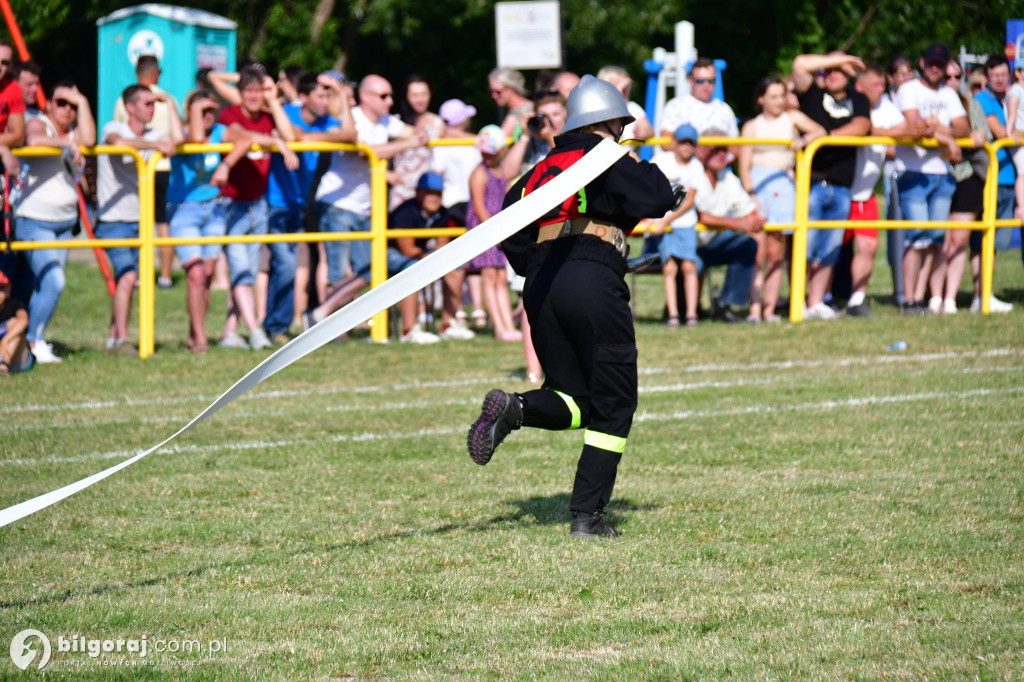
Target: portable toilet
[{"x": 182, "y": 38}]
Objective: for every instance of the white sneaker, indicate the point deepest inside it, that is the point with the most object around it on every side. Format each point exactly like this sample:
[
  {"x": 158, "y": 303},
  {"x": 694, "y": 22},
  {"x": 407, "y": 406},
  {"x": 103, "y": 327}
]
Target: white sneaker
[
  {"x": 418, "y": 335},
  {"x": 43, "y": 353},
  {"x": 457, "y": 330},
  {"x": 949, "y": 307},
  {"x": 258, "y": 339},
  {"x": 820, "y": 311},
  {"x": 994, "y": 305},
  {"x": 935, "y": 305},
  {"x": 233, "y": 340}
]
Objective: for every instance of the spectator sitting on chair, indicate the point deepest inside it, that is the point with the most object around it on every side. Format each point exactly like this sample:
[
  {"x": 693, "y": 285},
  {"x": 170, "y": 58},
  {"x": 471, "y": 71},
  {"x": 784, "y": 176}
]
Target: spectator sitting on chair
[
  {"x": 48, "y": 210},
  {"x": 422, "y": 211},
  {"x": 723, "y": 205}
]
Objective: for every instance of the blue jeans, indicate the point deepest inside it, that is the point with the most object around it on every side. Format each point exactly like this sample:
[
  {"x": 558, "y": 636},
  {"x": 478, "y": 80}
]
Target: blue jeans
[
  {"x": 925, "y": 198},
  {"x": 738, "y": 251},
  {"x": 245, "y": 217},
  {"x": 826, "y": 202},
  {"x": 280, "y": 288},
  {"x": 198, "y": 219},
  {"x": 123, "y": 258},
  {"x": 342, "y": 254},
  {"x": 47, "y": 270}
]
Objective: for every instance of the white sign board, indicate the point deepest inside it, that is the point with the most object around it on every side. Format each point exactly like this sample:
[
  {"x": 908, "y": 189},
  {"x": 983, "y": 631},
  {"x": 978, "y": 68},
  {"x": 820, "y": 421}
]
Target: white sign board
[{"x": 529, "y": 34}]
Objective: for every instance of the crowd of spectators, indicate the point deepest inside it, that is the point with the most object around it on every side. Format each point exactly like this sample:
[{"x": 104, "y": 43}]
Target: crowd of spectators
[{"x": 277, "y": 289}]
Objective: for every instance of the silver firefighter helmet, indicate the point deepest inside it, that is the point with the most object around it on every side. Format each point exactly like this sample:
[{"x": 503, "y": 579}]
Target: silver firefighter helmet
[{"x": 594, "y": 101}]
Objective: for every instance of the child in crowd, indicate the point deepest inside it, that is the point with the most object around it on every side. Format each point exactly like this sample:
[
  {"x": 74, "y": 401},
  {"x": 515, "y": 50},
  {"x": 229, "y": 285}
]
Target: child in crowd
[
  {"x": 678, "y": 248},
  {"x": 767, "y": 174},
  {"x": 487, "y": 185},
  {"x": 14, "y": 352},
  {"x": 1015, "y": 130}
]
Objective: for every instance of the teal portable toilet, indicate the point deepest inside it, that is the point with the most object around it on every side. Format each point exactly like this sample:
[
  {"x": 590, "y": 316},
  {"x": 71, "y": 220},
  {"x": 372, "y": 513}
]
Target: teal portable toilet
[{"x": 182, "y": 38}]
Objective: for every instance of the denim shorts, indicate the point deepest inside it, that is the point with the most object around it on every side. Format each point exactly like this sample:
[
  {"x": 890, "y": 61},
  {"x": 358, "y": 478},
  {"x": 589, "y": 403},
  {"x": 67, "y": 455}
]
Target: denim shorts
[
  {"x": 680, "y": 243},
  {"x": 198, "y": 219},
  {"x": 245, "y": 217},
  {"x": 124, "y": 259},
  {"x": 923, "y": 198}
]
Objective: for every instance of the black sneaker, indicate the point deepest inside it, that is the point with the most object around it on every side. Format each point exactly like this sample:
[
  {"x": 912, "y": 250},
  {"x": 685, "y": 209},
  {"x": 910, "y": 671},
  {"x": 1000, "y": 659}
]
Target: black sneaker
[
  {"x": 861, "y": 310},
  {"x": 725, "y": 314},
  {"x": 501, "y": 413},
  {"x": 591, "y": 525},
  {"x": 913, "y": 308}
]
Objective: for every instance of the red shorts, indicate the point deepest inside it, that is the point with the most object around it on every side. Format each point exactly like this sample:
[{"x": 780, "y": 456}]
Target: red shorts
[{"x": 863, "y": 210}]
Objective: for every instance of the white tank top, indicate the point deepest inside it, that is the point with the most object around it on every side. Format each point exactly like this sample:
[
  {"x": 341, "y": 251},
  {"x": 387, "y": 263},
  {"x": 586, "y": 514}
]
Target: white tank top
[
  {"x": 49, "y": 193},
  {"x": 773, "y": 156}
]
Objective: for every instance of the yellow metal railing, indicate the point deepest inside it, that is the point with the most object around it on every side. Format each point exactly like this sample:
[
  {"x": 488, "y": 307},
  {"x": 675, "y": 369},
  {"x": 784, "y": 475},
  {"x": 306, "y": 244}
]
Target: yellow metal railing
[{"x": 379, "y": 233}]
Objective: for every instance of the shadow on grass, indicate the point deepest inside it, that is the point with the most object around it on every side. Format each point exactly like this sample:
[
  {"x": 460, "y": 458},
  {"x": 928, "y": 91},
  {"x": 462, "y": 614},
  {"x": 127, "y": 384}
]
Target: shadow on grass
[{"x": 538, "y": 510}]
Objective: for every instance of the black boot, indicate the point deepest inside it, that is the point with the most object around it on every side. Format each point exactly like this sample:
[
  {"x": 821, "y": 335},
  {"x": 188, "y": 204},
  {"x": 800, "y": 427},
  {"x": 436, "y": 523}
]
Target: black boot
[{"x": 591, "y": 525}]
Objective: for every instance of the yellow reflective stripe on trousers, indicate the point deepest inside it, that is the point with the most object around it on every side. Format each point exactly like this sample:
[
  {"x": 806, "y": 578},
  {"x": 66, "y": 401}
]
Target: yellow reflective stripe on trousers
[
  {"x": 604, "y": 441},
  {"x": 573, "y": 408}
]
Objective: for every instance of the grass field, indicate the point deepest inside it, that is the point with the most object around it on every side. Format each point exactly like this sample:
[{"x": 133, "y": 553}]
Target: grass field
[{"x": 796, "y": 502}]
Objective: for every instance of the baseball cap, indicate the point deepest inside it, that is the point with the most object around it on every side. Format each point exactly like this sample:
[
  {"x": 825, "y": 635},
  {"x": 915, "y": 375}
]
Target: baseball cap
[
  {"x": 490, "y": 139},
  {"x": 338, "y": 76},
  {"x": 1018, "y": 63},
  {"x": 455, "y": 111},
  {"x": 936, "y": 53},
  {"x": 431, "y": 181},
  {"x": 685, "y": 132}
]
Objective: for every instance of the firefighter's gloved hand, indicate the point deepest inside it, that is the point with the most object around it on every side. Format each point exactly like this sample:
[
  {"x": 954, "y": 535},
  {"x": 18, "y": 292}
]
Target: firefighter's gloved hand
[
  {"x": 641, "y": 262},
  {"x": 679, "y": 192}
]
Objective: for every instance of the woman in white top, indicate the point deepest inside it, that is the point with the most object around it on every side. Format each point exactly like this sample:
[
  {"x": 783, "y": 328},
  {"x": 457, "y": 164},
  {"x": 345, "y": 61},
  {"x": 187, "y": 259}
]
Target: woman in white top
[
  {"x": 48, "y": 209},
  {"x": 766, "y": 172}
]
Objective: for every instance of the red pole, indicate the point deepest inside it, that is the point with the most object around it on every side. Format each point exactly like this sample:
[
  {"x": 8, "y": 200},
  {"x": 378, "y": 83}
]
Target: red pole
[{"x": 19, "y": 44}]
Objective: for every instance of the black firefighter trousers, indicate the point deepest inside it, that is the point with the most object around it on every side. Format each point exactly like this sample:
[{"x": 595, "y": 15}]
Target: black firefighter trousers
[{"x": 582, "y": 328}]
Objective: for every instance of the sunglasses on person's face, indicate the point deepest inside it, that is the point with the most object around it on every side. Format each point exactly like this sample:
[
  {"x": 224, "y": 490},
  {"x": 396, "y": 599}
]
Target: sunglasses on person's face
[
  {"x": 210, "y": 110},
  {"x": 540, "y": 94},
  {"x": 382, "y": 95},
  {"x": 705, "y": 81},
  {"x": 5, "y": 62},
  {"x": 60, "y": 103}
]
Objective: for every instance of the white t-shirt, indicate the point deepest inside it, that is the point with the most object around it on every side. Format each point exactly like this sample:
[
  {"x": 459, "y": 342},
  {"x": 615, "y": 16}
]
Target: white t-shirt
[
  {"x": 455, "y": 165},
  {"x": 117, "y": 176},
  {"x": 346, "y": 184},
  {"x": 50, "y": 194},
  {"x": 701, "y": 115},
  {"x": 1016, "y": 91},
  {"x": 870, "y": 160},
  {"x": 161, "y": 118},
  {"x": 727, "y": 199},
  {"x": 689, "y": 175},
  {"x": 942, "y": 105}
]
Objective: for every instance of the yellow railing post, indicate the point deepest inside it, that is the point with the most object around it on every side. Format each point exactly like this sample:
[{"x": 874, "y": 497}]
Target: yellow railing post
[
  {"x": 379, "y": 242},
  {"x": 798, "y": 270},
  {"x": 147, "y": 256},
  {"x": 988, "y": 217}
]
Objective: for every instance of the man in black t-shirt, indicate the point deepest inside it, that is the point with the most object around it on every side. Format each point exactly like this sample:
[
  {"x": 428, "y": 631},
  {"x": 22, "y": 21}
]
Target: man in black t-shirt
[{"x": 842, "y": 111}]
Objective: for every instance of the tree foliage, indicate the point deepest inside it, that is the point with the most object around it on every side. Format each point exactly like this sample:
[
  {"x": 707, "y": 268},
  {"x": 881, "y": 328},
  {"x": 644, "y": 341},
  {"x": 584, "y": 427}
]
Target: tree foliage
[{"x": 452, "y": 43}]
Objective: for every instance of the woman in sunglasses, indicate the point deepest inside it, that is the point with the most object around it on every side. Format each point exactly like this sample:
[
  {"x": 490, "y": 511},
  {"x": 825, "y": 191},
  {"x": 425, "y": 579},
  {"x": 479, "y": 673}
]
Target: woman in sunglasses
[{"x": 48, "y": 208}]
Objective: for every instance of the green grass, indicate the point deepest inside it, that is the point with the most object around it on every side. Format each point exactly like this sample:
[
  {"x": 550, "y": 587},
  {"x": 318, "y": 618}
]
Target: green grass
[{"x": 795, "y": 501}]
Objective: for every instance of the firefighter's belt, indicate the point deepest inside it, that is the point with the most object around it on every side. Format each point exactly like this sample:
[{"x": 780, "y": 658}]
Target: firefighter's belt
[{"x": 603, "y": 231}]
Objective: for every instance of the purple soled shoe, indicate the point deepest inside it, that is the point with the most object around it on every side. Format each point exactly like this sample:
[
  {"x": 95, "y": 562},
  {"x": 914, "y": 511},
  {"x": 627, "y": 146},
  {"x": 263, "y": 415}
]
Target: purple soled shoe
[{"x": 501, "y": 413}]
